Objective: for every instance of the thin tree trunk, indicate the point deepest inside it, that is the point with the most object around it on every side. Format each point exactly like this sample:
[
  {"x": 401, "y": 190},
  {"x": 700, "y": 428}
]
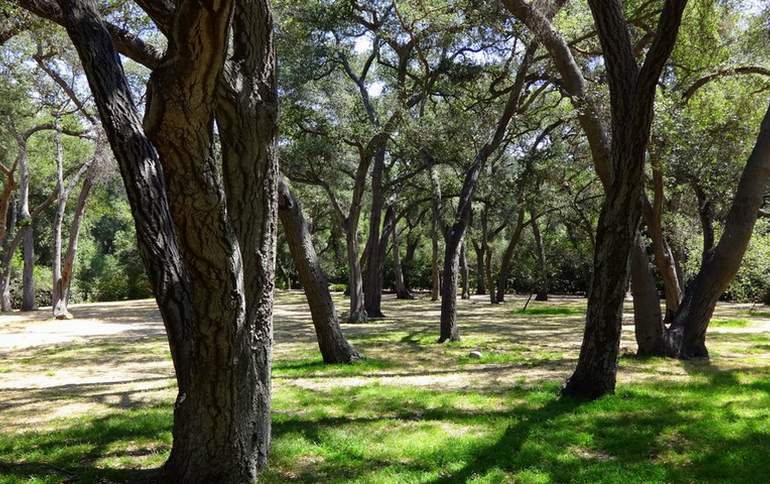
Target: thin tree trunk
[
  {"x": 507, "y": 258},
  {"x": 28, "y": 302},
  {"x": 480, "y": 249},
  {"x": 542, "y": 276},
  {"x": 58, "y": 307},
  {"x": 435, "y": 268},
  {"x": 401, "y": 290},
  {"x": 411, "y": 248},
  {"x": 332, "y": 343},
  {"x": 466, "y": 293},
  {"x": 61, "y": 310},
  {"x": 488, "y": 275}
]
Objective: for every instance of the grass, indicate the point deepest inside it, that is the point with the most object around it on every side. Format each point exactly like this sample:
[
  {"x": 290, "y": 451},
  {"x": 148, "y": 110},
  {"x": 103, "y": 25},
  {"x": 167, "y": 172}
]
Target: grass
[
  {"x": 551, "y": 311},
  {"x": 729, "y": 323},
  {"x": 417, "y": 412}
]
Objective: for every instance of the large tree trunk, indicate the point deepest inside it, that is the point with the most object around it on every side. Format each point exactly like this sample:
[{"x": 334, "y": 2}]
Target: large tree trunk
[
  {"x": 466, "y": 293},
  {"x": 543, "y": 282},
  {"x": 507, "y": 258},
  {"x": 332, "y": 343},
  {"x": 632, "y": 94},
  {"x": 375, "y": 256},
  {"x": 647, "y": 318},
  {"x": 402, "y": 292},
  {"x": 212, "y": 268},
  {"x": 687, "y": 335}
]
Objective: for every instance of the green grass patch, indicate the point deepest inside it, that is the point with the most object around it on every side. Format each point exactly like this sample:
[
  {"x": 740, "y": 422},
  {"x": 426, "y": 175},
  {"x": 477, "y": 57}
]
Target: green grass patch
[
  {"x": 729, "y": 323},
  {"x": 550, "y": 311},
  {"x": 312, "y": 367}
]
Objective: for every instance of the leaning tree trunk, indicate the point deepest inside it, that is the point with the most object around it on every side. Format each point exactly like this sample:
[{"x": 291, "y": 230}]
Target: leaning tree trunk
[
  {"x": 687, "y": 335},
  {"x": 332, "y": 343},
  {"x": 60, "y": 309},
  {"x": 542, "y": 276},
  {"x": 507, "y": 258},
  {"x": 466, "y": 293},
  {"x": 401, "y": 290}
]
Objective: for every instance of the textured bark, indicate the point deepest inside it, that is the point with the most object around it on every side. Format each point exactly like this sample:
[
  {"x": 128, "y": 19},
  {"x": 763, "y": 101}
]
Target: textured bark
[
  {"x": 686, "y": 337},
  {"x": 332, "y": 343},
  {"x": 648, "y": 323},
  {"x": 507, "y": 258},
  {"x": 212, "y": 268},
  {"x": 488, "y": 274},
  {"x": 543, "y": 280},
  {"x": 464, "y": 283},
  {"x": 449, "y": 331},
  {"x": 632, "y": 93},
  {"x": 375, "y": 256}
]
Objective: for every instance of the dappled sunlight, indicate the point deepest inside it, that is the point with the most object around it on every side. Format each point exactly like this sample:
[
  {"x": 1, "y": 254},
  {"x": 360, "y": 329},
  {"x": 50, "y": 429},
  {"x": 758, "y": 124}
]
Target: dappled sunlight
[{"x": 99, "y": 395}]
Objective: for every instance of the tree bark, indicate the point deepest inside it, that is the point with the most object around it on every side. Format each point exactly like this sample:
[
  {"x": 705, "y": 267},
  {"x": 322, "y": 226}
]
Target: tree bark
[
  {"x": 212, "y": 268},
  {"x": 632, "y": 94},
  {"x": 466, "y": 293},
  {"x": 332, "y": 343},
  {"x": 375, "y": 256},
  {"x": 28, "y": 302},
  {"x": 648, "y": 323}
]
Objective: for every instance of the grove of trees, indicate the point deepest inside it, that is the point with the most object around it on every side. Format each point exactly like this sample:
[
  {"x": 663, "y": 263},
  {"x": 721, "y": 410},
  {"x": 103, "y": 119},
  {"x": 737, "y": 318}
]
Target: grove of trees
[{"x": 207, "y": 152}]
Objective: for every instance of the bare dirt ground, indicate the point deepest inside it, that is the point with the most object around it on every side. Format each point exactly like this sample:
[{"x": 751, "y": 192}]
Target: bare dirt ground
[{"x": 114, "y": 355}]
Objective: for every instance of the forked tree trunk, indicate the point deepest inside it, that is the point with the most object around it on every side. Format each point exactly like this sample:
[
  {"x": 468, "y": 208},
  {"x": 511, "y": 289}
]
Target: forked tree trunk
[
  {"x": 686, "y": 337},
  {"x": 466, "y": 293},
  {"x": 60, "y": 303},
  {"x": 332, "y": 343},
  {"x": 212, "y": 267}
]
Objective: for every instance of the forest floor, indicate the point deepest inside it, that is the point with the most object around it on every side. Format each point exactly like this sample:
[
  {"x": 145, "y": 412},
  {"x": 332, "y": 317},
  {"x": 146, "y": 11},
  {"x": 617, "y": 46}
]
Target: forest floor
[{"x": 90, "y": 400}]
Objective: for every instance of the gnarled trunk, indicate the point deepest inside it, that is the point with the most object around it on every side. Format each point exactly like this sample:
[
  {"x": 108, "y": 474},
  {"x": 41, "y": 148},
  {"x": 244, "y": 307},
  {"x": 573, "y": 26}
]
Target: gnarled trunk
[
  {"x": 648, "y": 323},
  {"x": 481, "y": 281},
  {"x": 449, "y": 331},
  {"x": 401, "y": 290},
  {"x": 507, "y": 258},
  {"x": 543, "y": 279},
  {"x": 374, "y": 255},
  {"x": 332, "y": 343},
  {"x": 357, "y": 312}
]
